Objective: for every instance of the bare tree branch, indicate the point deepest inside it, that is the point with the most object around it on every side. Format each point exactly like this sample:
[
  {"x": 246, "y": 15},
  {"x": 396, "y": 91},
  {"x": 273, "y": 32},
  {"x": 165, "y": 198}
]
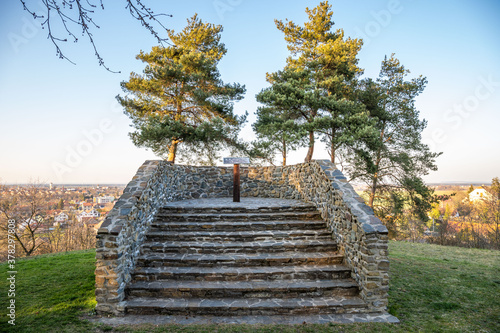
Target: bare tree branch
[{"x": 79, "y": 13}]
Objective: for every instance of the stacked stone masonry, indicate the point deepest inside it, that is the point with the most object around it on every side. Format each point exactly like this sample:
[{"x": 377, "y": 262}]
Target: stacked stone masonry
[
  {"x": 360, "y": 236},
  {"x": 263, "y": 256}
]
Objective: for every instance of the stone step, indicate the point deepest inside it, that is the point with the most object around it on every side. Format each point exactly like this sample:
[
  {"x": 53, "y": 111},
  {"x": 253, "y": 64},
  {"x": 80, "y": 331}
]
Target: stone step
[
  {"x": 243, "y": 289},
  {"x": 236, "y": 260},
  {"x": 227, "y": 209},
  {"x": 243, "y": 226},
  {"x": 244, "y": 306},
  {"x": 239, "y": 247},
  {"x": 241, "y": 216},
  {"x": 245, "y": 273},
  {"x": 255, "y": 260},
  {"x": 333, "y": 318},
  {"x": 240, "y": 236}
]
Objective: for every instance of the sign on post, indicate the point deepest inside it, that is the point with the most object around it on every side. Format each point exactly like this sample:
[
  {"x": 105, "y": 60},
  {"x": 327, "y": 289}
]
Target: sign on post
[
  {"x": 236, "y": 160},
  {"x": 236, "y": 173}
]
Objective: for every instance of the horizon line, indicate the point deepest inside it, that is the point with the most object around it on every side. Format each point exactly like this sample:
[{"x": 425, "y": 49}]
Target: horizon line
[{"x": 453, "y": 182}]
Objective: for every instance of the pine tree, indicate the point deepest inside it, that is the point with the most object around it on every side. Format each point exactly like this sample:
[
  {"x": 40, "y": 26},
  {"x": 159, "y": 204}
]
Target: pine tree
[
  {"x": 495, "y": 188},
  {"x": 470, "y": 190},
  {"x": 293, "y": 93},
  {"x": 319, "y": 81},
  {"x": 394, "y": 163},
  {"x": 180, "y": 98},
  {"x": 345, "y": 126},
  {"x": 276, "y": 132}
]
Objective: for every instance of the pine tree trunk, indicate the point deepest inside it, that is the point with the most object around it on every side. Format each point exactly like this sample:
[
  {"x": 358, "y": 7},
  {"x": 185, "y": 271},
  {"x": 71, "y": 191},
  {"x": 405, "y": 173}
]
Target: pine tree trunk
[
  {"x": 375, "y": 180},
  {"x": 332, "y": 154},
  {"x": 311, "y": 148},
  {"x": 373, "y": 190},
  {"x": 377, "y": 164},
  {"x": 284, "y": 152},
  {"x": 332, "y": 147},
  {"x": 172, "y": 151}
]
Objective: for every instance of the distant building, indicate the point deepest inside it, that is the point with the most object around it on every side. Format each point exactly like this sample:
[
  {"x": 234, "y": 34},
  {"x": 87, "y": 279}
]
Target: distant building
[
  {"x": 91, "y": 214},
  {"x": 479, "y": 194},
  {"x": 33, "y": 223},
  {"x": 62, "y": 217},
  {"x": 59, "y": 224},
  {"x": 104, "y": 199},
  {"x": 91, "y": 222},
  {"x": 86, "y": 206}
]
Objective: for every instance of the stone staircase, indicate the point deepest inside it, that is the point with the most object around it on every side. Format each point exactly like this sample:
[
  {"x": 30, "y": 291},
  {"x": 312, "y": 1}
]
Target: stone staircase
[{"x": 240, "y": 261}]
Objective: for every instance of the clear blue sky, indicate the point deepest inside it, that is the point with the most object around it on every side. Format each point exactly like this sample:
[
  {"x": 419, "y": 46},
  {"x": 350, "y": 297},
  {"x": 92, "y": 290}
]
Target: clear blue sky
[{"x": 49, "y": 108}]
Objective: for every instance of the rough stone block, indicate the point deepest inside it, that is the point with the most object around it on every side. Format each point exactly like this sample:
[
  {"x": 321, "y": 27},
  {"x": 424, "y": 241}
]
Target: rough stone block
[
  {"x": 103, "y": 308},
  {"x": 383, "y": 265}
]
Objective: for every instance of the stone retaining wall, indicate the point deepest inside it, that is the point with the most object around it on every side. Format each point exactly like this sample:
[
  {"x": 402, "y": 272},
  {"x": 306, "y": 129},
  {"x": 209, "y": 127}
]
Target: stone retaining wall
[{"x": 360, "y": 235}]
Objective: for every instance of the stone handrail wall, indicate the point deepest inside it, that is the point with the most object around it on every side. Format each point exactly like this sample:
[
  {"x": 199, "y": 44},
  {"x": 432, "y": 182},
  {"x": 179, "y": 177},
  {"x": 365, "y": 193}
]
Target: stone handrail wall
[
  {"x": 121, "y": 234},
  {"x": 361, "y": 236},
  {"x": 123, "y": 231}
]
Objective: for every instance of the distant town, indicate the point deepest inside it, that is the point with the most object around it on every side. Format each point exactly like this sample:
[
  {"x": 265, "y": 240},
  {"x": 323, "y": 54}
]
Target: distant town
[
  {"x": 60, "y": 217},
  {"x": 85, "y": 204},
  {"x": 48, "y": 218}
]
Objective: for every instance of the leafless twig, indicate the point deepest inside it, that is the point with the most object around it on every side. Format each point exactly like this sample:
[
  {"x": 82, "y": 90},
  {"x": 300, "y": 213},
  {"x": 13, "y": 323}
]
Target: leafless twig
[{"x": 79, "y": 13}]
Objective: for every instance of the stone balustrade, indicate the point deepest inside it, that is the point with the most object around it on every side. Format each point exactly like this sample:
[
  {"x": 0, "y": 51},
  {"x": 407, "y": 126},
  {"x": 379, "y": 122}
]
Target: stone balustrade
[{"x": 360, "y": 235}]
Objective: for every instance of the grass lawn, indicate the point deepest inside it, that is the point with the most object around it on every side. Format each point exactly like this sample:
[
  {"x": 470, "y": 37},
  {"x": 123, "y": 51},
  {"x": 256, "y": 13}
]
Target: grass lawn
[{"x": 433, "y": 289}]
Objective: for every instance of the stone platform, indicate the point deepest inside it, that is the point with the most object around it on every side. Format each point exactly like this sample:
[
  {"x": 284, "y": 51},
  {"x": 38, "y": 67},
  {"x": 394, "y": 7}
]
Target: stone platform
[
  {"x": 257, "y": 261},
  {"x": 245, "y": 203},
  {"x": 151, "y": 240}
]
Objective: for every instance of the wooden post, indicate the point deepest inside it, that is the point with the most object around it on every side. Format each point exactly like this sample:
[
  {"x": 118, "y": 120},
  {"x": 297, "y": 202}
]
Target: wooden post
[
  {"x": 236, "y": 183},
  {"x": 236, "y": 161}
]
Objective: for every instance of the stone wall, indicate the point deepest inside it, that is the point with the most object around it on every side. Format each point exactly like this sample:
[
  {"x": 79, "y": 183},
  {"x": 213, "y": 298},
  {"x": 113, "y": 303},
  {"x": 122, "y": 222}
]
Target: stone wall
[{"x": 361, "y": 236}]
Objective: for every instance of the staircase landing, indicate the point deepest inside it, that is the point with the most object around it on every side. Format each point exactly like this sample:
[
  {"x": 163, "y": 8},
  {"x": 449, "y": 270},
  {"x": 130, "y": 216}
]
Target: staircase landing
[{"x": 245, "y": 203}]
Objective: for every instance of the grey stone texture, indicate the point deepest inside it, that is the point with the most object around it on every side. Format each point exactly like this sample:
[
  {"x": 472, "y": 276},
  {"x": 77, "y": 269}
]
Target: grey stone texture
[
  {"x": 339, "y": 318},
  {"x": 160, "y": 188}
]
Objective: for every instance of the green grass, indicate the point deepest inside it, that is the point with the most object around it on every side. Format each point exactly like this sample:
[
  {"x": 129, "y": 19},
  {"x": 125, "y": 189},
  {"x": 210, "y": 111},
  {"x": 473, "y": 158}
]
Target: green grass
[
  {"x": 52, "y": 291},
  {"x": 433, "y": 289},
  {"x": 445, "y": 289}
]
